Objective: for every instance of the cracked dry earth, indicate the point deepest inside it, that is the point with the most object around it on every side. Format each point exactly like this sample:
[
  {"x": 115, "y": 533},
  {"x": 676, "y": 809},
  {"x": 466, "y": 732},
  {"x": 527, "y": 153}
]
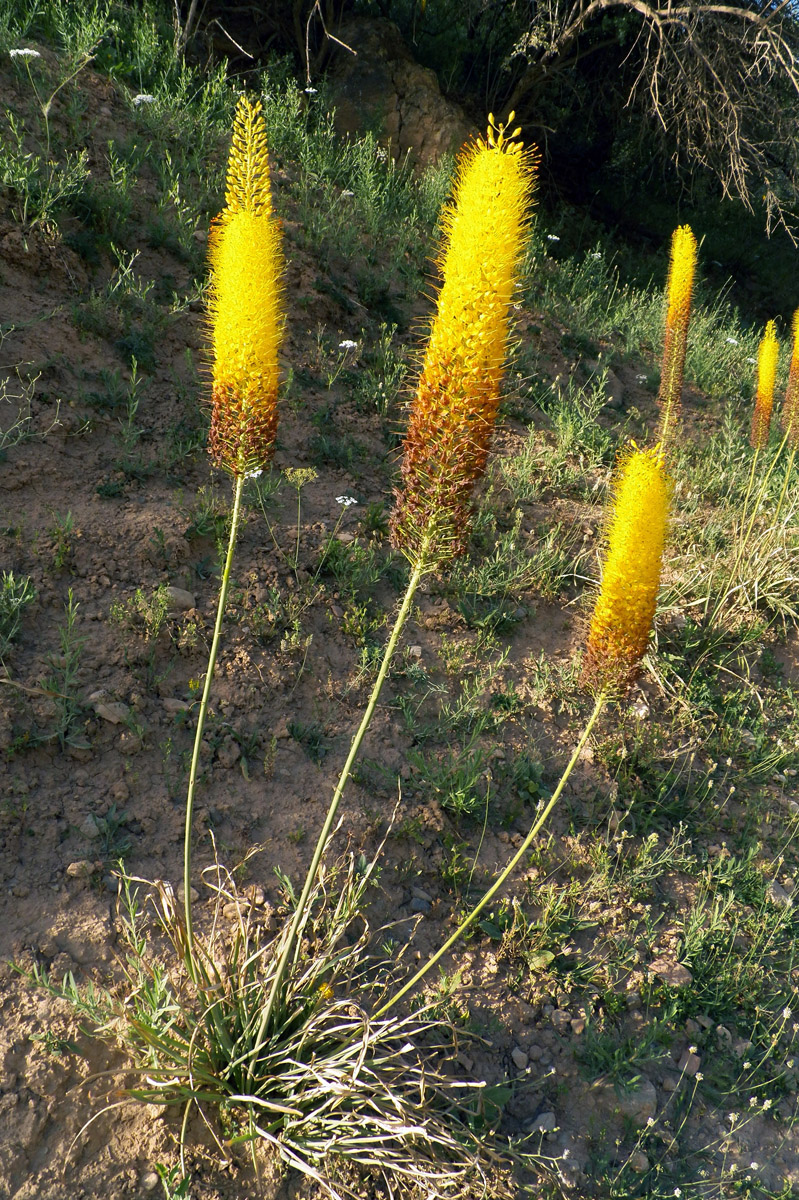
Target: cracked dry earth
[{"x": 96, "y": 503}]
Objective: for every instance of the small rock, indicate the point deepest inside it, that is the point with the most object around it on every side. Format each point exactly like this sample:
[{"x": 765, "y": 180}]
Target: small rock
[
  {"x": 181, "y": 892},
  {"x": 670, "y": 1083},
  {"x": 741, "y": 1048},
  {"x": 415, "y": 651},
  {"x": 639, "y": 1162},
  {"x": 705, "y": 1021},
  {"x": 89, "y": 827},
  {"x": 640, "y": 1104},
  {"x": 173, "y": 705},
  {"x": 255, "y": 894},
  {"x": 545, "y": 1122},
  {"x": 419, "y": 905},
  {"x": 724, "y": 1035},
  {"x": 231, "y": 911},
  {"x": 561, "y": 1020},
  {"x": 672, "y": 973},
  {"x": 578, "y": 1026},
  {"x": 180, "y": 600},
  {"x": 421, "y": 894},
  {"x": 82, "y": 869},
  {"x": 778, "y": 895},
  {"x": 690, "y": 1063},
  {"x": 534, "y": 1053},
  {"x": 112, "y": 710},
  {"x": 149, "y": 1181},
  {"x": 519, "y": 1058},
  {"x": 228, "y": 753}
]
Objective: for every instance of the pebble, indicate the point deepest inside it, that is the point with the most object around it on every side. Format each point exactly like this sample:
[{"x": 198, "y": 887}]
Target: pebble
[
  {"x": 180, "y": 600},
  {"x": 545, "y": 1122},
  {"x": 639, "y": 1162},
  {"x": 638, "y": 1105},
  {"x": 778, "y": 895},
  {"x": 672, "y": 973},
  {"x": 181, "y": 892},
  {"x": 81, "y": 869},
  {"x": 89, "y": 827},
  {"x": 690, "y": 1063},
  {"x": 173, "y": 705},
  {"x": 578, "y": 1025},
  {"x": 415, "y": 651},
  {"x": 149, "y": 1181},
  {"x": 112, "y": 710},
  {"x": 561, "y": 1020},
  {"x": 519, "y": 1058},
  {"x": 421, "y": 894},
  {"x": 419, "y": 905}
]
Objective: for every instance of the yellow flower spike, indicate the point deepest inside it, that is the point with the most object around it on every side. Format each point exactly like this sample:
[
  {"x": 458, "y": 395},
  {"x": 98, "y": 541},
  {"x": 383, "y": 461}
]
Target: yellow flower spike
[
  {"x": 622, "y": 619},
  {"x": 682, "y": 267},
  {"x": 245, "y": 307},
  {"x": 767, "y": 355},
  {"x": 452, "y": 416},
  {"x": 790, "y": 407}
]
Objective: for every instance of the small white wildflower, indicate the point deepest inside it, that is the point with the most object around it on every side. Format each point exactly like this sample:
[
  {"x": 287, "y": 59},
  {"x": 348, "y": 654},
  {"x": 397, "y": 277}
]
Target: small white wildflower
[
  {"x": 678, "y": 1191},
  {"x": 596, "y": 254},
  {"x": 753, "y": 1166},
  {"x": 24, "y": 53},
  {"x": 767, "y": 1105},
  {"x": 309, "y": 91},
  {"x": 641, "y": 378},
  {"x": 786, "y": 1014},
  {"x": 731, "y": 1118},
  {"x": 143, "y": 98},
  {"x": 348, "y": 344},
  {"x": 346, "y": 500},
  {"x": 254, "y": 474},
  {"x": 753, "y": 1101},
  {"x": 692, "y": 1049},
  {"x": 347, "y": 192},
  {"x": 747, "y": 1065},
  {"x": 699, "y": 1077},
  {"x": 732, "y": 341},
  {"x": 552, "y": 237},
  {"x": 566, "y": 1152},
  {"x": 650, "y": 1121}
]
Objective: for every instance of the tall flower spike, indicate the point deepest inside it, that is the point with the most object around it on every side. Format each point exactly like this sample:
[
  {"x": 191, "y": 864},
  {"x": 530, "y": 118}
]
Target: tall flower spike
[
  {"x": 790, "y": 407},
  {"x": 457, "y": 396},
  {"x": 622, "y": 619},
  {"x": 767, "y": 355},
  {"x": 682, "y": 266},
  {"x": 245, "y": 307}
]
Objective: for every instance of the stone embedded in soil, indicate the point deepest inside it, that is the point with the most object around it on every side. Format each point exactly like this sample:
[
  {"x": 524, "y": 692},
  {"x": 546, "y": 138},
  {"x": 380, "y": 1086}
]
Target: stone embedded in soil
[
  {"x": 89, "y": 827},
  {"x": 690, "y": 1063},
  {"x": 81, "y": 869},
  {"x": 778, "y": 895},
  {"x": 519, "y": 1058},
  {"x": 639, "y": 1162},
  {"x": 420, "y": 906},
  {"x": 545, "y": 1122},
  {"x": 180, "y": 600},
  {"x": 672, "y": 973},
  {"x": 561, "y": 1020},
  {"x": 112, "y": 710},
  {"x": 173, "y": 705},
  {"x": 638, "y": 1104}
]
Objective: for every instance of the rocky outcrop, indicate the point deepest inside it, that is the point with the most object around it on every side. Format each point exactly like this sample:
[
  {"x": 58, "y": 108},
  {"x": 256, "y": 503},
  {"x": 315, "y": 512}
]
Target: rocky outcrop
[{"x": 379, "y": 88}]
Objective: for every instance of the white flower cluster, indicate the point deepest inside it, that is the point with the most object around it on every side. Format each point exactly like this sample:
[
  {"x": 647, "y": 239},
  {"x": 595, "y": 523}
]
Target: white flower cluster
[
  {"x": 346, "y": 500},
  {"x": 348, "y": 344},
  {"x": 143, "y": 98},
  {"x": 24, "y": 54}
]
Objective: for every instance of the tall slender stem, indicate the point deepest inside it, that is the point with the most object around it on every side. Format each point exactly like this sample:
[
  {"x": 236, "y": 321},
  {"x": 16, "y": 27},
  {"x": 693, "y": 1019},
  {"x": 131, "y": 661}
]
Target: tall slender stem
[
  {"x": 500, "y": 880},
  {"x": 301, "y": 915},
  {"x": 198, "y": 737}
]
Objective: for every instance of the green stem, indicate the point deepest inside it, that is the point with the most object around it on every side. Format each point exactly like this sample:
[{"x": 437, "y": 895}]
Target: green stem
[
  {"x": 518, "y": 856},
  {"x": 198, "y": 737},
  {"x": 301, "y": 915},
  {"x": 788, "y": 470}
]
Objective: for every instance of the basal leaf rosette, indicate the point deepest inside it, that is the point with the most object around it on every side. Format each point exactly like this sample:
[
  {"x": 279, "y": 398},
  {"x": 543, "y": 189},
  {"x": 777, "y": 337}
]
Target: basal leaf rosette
[
  {"x": 245, "y": 307},
  {"x": 457, "y": 396},
  {"x": 622, "y": 618}
]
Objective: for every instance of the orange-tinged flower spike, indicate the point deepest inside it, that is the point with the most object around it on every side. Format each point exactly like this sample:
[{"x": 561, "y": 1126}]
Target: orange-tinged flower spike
[
  {"x": 682, "y": 266},
  {"x": 245, "y": 307},
  {"x": 622, "y": 619},
  {"x": 790, "y": 407},
  {"x": 767, "y": 355},
  {"x": 457, "y": 396}
]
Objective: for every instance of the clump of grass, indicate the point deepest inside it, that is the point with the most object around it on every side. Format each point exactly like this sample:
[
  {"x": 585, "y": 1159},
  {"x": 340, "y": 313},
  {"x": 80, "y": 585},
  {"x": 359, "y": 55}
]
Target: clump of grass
[{"x": 16, "y": 593}]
